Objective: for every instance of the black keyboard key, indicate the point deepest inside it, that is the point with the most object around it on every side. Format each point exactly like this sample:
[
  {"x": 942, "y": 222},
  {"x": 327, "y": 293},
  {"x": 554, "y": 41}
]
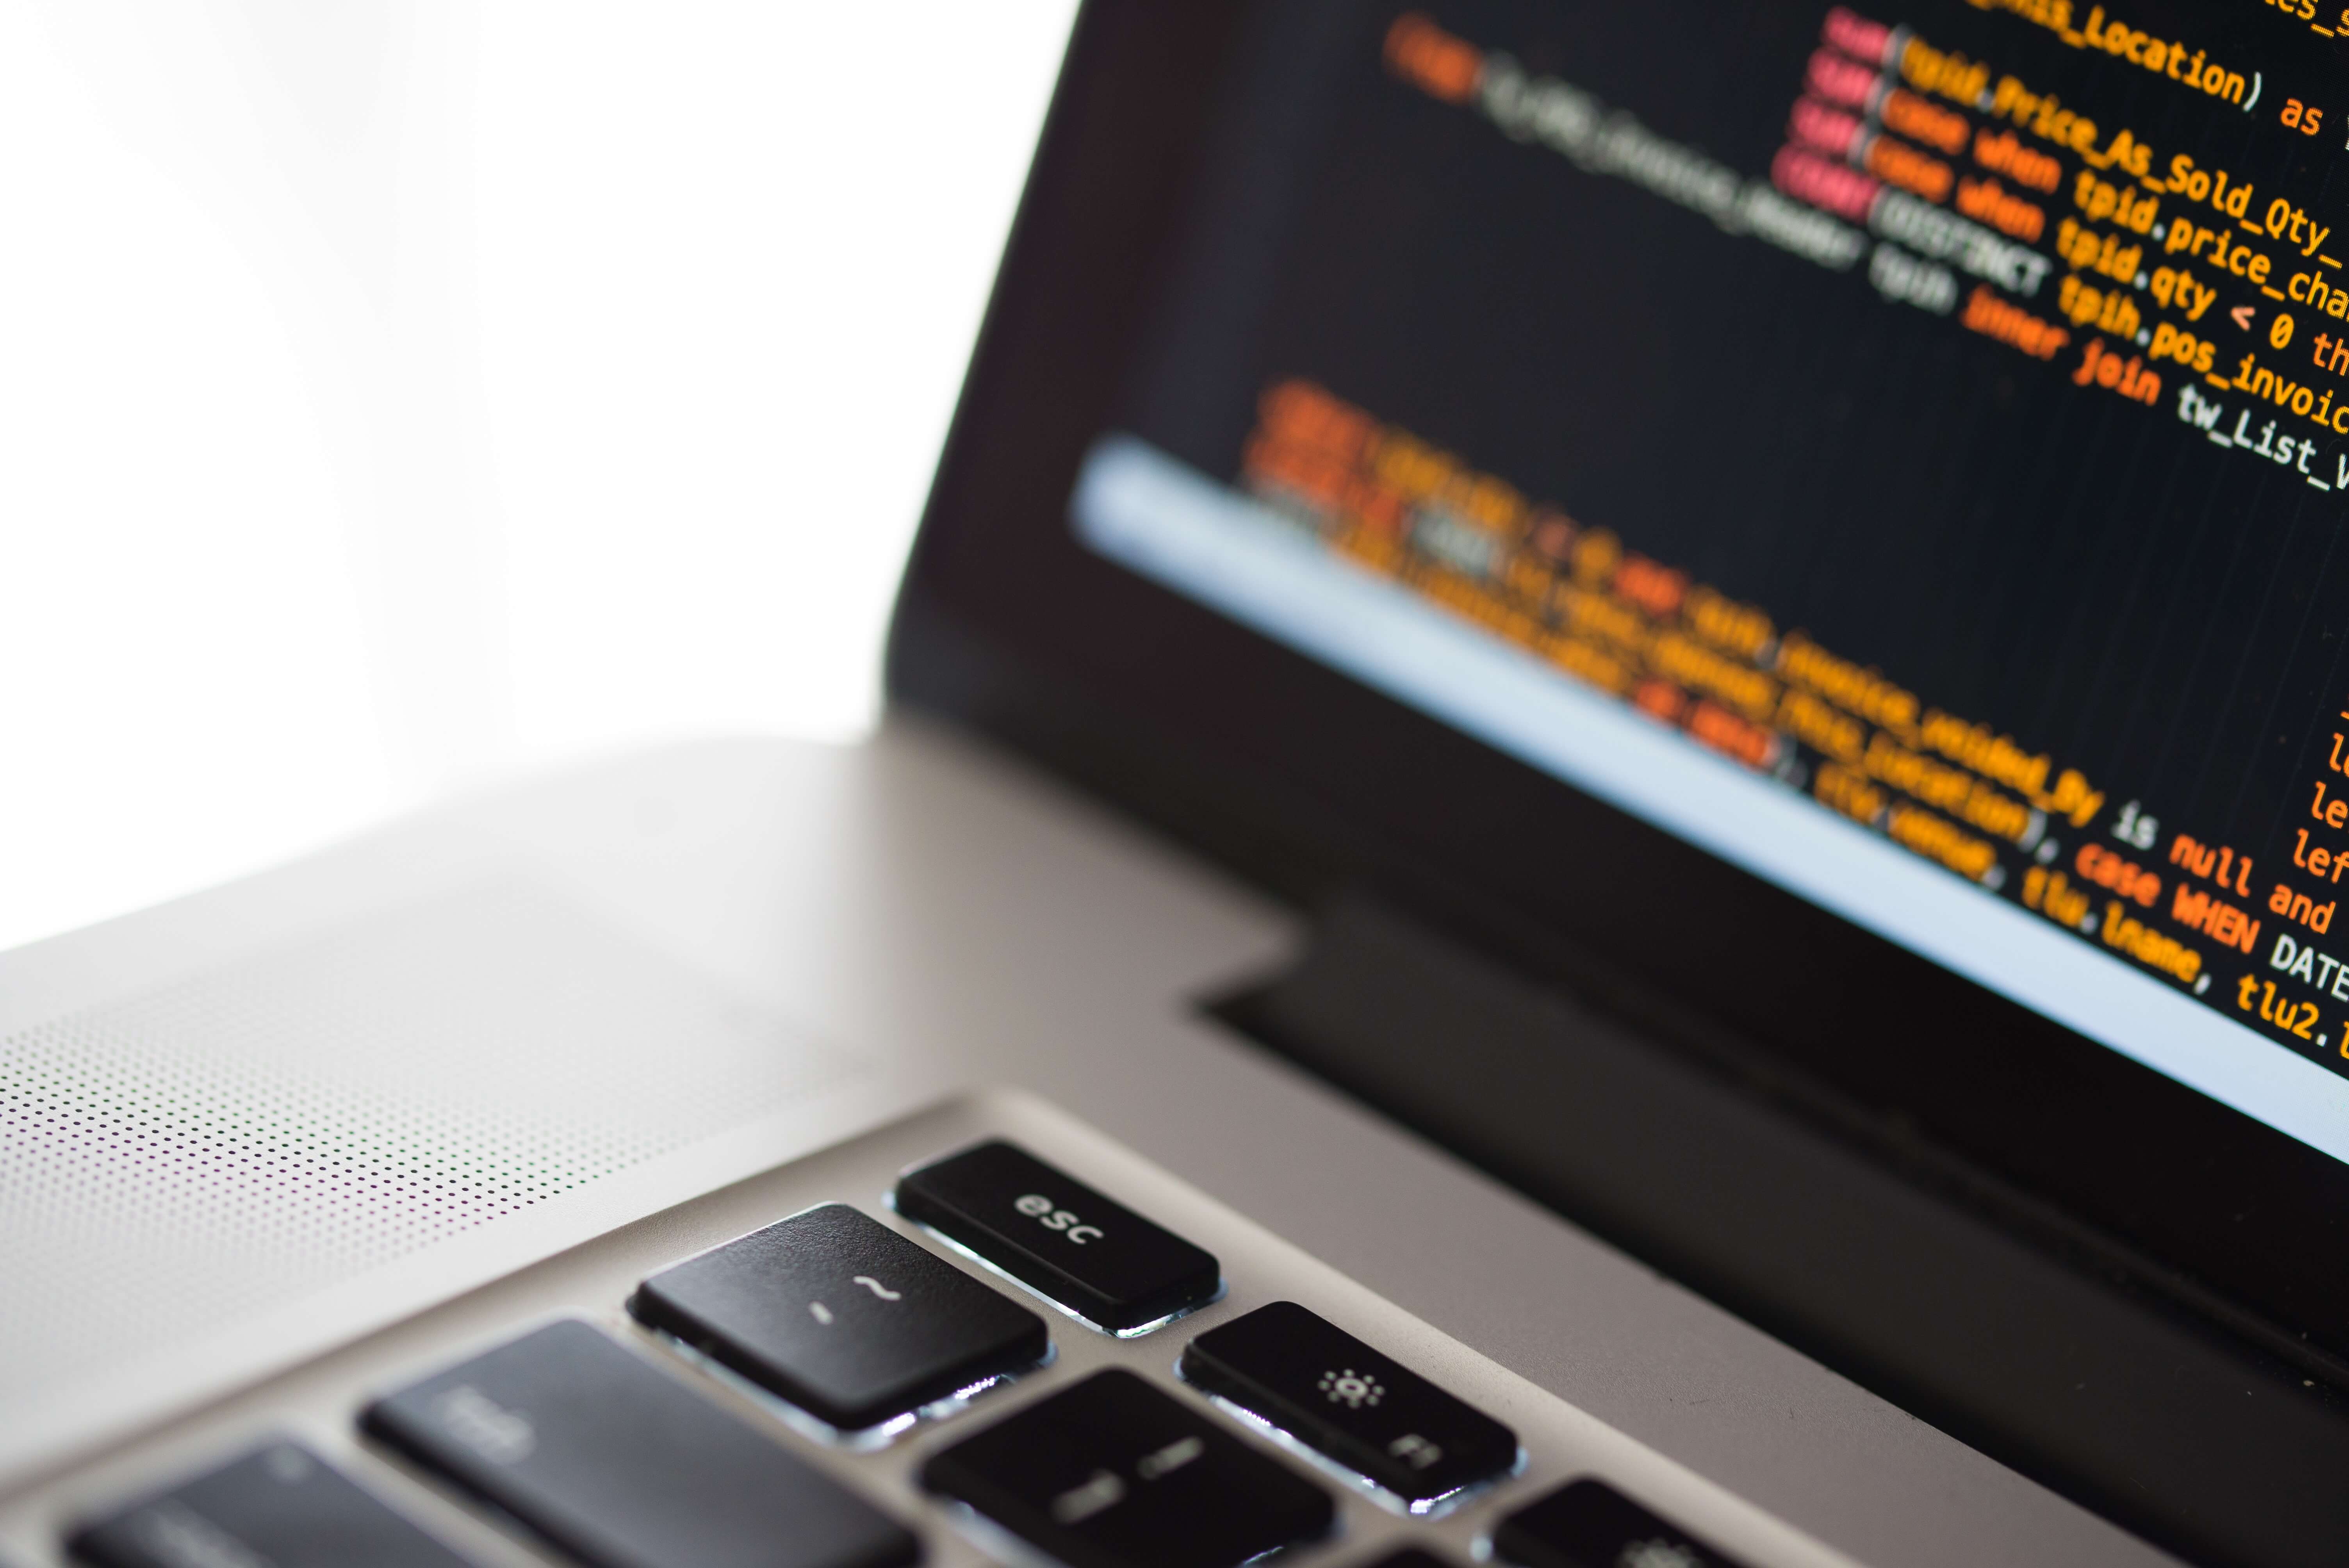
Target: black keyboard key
[
  {"x": 1113, "y": 1474},
  {"x": 280, "y": 1506},
  {"x": 1421, "y": 1557},
  {"x": 623, "y": 1466},
  {"x": 1104, "y": 1262},
  {"x": 1588, "y": 1524},
  {"x": 842, "y": 1316},
  {"x": 1320, "y": 1384}
]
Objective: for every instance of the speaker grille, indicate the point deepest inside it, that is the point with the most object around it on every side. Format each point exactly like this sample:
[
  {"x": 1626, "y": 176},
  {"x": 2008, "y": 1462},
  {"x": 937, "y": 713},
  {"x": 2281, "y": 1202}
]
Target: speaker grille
[{"x": 175, "y": 1160}]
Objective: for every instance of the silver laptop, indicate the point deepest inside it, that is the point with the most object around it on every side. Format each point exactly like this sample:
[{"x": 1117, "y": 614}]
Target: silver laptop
[{"x": 1607, "y": 839}]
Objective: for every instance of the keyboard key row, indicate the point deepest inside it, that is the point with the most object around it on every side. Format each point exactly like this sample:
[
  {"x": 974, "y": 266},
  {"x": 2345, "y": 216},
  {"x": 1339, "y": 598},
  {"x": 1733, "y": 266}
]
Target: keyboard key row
[{"x": 600, "y": 1454}]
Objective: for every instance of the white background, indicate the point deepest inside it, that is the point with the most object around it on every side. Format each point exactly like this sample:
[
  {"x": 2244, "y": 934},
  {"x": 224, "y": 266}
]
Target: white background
[{"x": 397, "y": 393}]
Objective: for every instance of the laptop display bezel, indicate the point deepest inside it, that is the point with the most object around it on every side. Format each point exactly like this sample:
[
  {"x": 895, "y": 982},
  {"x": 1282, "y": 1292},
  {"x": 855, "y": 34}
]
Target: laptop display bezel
[{"x": 1310, "y": 784}]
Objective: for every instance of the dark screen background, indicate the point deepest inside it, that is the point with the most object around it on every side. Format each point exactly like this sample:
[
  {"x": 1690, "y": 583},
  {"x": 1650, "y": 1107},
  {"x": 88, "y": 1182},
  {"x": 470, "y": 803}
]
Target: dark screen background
[{"x": 2089, "y": 575}]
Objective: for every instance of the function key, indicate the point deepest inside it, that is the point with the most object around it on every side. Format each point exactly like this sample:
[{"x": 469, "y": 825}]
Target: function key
[
  {"x": 1100, "y": 1262},
  {"x": 1421, "y": 1557},
  {"x": 1589, "y": 1524},
  {"x": 1111, "y": 1473},
  {"x": 842, "y": 1316},
  {"x": 621, "y": 1465},
  {"x": 1329, "y": 1390},
  {"x": 280, "y": 1505}
]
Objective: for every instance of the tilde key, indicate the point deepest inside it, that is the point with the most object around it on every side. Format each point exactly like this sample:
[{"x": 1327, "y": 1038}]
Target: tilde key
[{"x": 841, "y": 1316}]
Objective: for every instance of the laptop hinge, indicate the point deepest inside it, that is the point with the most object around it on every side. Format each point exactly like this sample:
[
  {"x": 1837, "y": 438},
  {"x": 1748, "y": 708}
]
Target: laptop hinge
[{"x": 2116, "y": 1397}]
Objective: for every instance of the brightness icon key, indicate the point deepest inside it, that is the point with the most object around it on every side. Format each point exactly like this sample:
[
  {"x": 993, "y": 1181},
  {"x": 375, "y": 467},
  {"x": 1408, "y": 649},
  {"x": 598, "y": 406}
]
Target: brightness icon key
[
  {"x": 1417, "y": 1444},
  {"x": 1351, "y": 1388}
]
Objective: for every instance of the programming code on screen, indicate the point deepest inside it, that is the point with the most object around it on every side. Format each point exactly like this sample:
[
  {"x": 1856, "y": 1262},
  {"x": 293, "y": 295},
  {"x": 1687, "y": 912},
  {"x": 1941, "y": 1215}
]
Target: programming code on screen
[{"x": 1940, "y": 413}]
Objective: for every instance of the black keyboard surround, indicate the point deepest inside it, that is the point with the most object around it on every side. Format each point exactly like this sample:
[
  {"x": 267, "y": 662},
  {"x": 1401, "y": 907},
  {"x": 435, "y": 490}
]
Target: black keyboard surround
[{"x": 807, "y": 1370}]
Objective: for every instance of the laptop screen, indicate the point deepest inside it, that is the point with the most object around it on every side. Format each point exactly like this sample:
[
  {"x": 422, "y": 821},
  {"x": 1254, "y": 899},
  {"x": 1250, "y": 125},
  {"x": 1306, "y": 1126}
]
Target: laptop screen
[{"x": 1903, "y": 452}]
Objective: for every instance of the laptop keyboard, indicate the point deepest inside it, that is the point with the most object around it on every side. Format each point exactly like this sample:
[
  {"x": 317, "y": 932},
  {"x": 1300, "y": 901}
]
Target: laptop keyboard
[{"x": 845, "y": 1387}]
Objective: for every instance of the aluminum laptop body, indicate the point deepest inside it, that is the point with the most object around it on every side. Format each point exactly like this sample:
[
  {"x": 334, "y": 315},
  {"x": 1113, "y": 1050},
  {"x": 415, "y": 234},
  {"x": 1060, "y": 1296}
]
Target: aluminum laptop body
[{"x": 1636, "y": 704}]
